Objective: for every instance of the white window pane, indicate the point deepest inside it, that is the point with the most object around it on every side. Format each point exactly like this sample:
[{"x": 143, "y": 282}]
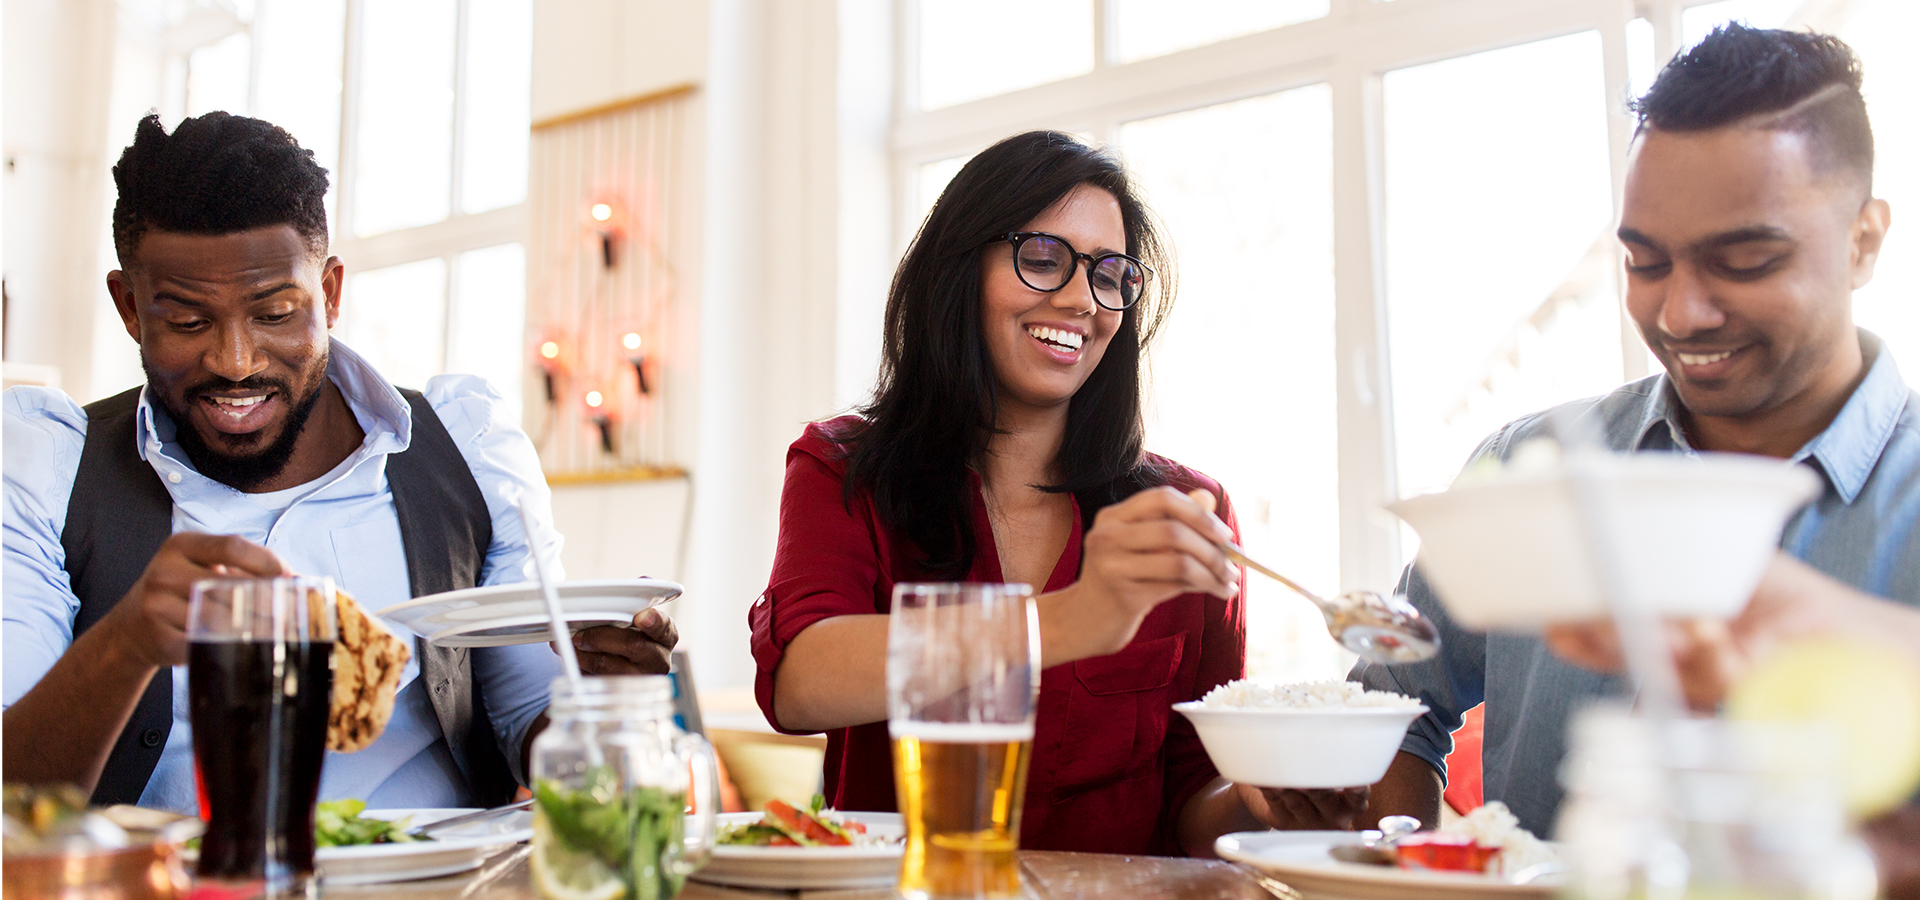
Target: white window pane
[
  {"x": 217, "y": 76},
  {"x": 489, "y": 318},
  {"x": 1642, "y": 67},
  {"x": 1881, "y": 32},
  {"x": 1243, "y": 375},
  {"x": 396, "y": 317},
  {"x": 977, "y": 48},
  {"x": 1486, "y": 216},
  {"x": 495, "y": 105},
  {"x": 405, "y": 144},
  {"x": 1156, "y": 27},
  {"x": 299, "y": 74},
  {"x": 933, "y": 178},
  {"x": 1696, "y": 22}
]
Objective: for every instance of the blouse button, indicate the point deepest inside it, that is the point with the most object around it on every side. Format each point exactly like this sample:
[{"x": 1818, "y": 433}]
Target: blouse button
[{"x": 173, "y": 477}]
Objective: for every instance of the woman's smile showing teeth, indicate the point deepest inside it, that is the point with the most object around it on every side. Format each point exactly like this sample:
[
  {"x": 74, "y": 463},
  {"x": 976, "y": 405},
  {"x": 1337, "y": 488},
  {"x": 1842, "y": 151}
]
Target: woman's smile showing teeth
[{"x": 1056, "y": 338}]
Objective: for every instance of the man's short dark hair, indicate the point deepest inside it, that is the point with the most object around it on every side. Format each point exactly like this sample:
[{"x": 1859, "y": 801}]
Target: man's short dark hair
[
  {"x": 216, "y": 174},
  {"x": 1809, "y": 83}
]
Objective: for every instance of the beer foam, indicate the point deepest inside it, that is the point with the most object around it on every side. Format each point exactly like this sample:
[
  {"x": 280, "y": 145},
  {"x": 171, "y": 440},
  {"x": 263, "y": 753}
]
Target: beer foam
[{"x": 962, "y": 732}]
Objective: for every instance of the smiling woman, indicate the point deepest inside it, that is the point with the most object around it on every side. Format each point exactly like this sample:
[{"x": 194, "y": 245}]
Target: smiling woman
[{"x": 1003, "y": 444}]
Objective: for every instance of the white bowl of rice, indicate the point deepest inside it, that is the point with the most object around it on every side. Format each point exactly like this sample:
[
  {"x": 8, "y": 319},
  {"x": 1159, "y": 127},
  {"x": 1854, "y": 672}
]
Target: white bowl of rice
[{"x": 1322, "y": 734}]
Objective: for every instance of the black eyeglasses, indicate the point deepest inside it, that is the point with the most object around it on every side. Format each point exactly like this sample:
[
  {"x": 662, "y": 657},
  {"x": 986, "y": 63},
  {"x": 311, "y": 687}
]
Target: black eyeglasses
[{"x": 1046, "y": 262}]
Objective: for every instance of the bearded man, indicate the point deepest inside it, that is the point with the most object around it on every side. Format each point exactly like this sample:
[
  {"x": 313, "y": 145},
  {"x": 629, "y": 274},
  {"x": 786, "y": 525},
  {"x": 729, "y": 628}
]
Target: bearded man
[{"x": 260, "y": 446}]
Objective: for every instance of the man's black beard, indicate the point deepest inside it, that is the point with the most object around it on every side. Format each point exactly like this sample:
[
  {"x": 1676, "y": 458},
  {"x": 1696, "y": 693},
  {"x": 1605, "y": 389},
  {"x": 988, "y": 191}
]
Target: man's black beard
[{"x": 242, "y": 473}]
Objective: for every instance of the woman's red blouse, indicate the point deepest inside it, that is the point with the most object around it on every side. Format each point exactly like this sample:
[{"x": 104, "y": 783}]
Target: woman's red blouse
[{"x": 1112, "y": 764}]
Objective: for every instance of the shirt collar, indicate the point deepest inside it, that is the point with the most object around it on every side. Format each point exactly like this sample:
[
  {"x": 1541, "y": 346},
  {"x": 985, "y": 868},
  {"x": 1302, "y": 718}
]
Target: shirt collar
[
  {"x": 382, "y": 413},
  {"x": 1846, "y": 451},
  {"x": 1851, "y": 446}
]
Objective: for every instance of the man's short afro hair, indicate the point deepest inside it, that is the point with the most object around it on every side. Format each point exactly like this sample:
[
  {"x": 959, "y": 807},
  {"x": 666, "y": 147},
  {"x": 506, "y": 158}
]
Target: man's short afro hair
[
  {"x": 1809, "y": 82},
  {"x": 216, "y": 174}
]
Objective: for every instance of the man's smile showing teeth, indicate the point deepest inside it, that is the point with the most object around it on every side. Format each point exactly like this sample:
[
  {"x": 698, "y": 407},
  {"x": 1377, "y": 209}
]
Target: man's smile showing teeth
[
  {"x": 237, "y": 407},
  {"x": 1065, "y": 340},
  {"x": 1702, "y": 359}
]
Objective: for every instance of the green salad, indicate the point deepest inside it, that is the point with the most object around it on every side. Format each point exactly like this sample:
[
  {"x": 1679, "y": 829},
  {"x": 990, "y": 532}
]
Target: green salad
[
  {"x": 338, "y": 824},
  {"x": 605, "y": 841}
]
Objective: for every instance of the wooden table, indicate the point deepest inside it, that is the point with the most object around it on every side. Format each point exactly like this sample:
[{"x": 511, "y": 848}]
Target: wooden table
[{"x": 1047, "y": 876}]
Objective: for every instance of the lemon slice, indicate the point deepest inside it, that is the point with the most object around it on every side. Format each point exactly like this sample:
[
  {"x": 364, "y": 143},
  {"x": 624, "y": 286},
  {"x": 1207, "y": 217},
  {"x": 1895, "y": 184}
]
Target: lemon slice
[
  {"x": 563, "y": 874},
  {"x": 1869, "y": 693}
]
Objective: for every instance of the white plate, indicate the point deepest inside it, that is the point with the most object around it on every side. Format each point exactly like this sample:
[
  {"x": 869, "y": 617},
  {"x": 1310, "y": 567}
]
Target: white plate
[
  {"x": 1300, "y": 859},
  {"x": 458, "y": 849},
  {"x": 502, "y": 614},
  {"x": 809, "y": 868}
]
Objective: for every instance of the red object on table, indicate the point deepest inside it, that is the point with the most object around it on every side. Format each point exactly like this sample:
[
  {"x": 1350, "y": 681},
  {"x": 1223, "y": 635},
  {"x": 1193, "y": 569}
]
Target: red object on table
[
  {"x": 1446, "y": 852},
  {"x": 1463, "y": 764}
]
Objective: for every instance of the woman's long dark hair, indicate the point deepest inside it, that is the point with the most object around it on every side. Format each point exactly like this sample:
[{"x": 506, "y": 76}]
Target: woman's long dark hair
[{"x": 932, "y": 411}]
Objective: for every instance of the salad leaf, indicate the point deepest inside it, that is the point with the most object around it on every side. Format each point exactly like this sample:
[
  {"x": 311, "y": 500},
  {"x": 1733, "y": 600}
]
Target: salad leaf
[{"x": 338, "y": 823}]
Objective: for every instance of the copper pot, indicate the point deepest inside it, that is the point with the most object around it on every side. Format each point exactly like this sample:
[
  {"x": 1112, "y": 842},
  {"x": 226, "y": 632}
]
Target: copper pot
[{"x": 143, "y": 872}]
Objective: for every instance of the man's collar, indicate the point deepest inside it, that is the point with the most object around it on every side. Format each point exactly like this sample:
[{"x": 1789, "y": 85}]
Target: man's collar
[
  {"x": 1661, "y": 418},
  {"x": 382, "y": 413},
  {"x": 1850, "y": 446}
]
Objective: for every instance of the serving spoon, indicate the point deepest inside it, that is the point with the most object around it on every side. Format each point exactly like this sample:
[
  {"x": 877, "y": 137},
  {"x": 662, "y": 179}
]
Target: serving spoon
[{"x": 1380, "y": 629}]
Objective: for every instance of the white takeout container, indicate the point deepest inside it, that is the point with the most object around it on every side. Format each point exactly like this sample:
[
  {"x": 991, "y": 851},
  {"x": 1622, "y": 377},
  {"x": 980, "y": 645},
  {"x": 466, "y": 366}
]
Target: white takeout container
[
  {"x": 1325, "y": 747},
  {"x": 1690, "y": 535}
]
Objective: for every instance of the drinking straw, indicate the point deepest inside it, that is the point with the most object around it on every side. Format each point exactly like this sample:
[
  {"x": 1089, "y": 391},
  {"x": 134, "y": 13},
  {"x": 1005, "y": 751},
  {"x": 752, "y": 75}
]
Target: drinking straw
[{"x": 556, "y": 619}]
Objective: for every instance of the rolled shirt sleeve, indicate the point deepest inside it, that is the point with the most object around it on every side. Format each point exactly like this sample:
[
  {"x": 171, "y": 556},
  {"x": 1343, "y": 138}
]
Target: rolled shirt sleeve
[
  {"x": 1449, "y": 684},
  {"x": 43, "y": 433},
  {"x": 826, "y": 563}
]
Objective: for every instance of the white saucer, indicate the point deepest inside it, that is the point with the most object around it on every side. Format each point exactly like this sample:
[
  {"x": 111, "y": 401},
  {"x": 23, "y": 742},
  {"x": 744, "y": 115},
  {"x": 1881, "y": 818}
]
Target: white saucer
[{"x": 502, "y": 614}]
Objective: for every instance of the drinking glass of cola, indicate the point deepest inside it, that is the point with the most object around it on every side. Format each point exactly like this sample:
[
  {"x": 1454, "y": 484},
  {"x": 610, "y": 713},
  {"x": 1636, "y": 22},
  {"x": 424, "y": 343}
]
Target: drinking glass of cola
[
  {"x": 963, "y": 675},
  {"x": 259, "y": 680}
]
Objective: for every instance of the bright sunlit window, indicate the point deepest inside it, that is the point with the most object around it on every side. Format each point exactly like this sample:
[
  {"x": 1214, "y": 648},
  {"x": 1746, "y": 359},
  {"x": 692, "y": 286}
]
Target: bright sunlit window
[
  {"x": 1246, "y": 192},
  {"x": 1497, "y": 187}
]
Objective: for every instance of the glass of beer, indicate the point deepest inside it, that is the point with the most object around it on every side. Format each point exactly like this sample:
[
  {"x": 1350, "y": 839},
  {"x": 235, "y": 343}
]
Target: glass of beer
[
  {"x": 259, "y": 682},
  {"x": 963, "y": 675}
]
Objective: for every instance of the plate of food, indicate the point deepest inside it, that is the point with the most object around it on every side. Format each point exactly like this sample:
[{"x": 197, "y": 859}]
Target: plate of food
[
  {"x": 785, "y": 848},
  {"x": 1481, "y": 857},
  {"x": 502, "y": 614},
  {"x": 355, "y": 845}
]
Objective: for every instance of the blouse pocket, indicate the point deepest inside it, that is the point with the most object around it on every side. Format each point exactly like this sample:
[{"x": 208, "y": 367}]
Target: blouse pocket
[{"x": 1117, "y": 713}]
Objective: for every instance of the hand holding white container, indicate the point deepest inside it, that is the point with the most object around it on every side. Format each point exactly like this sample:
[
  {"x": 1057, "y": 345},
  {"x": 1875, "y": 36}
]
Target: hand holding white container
[{"x": 1691, "y": 535}]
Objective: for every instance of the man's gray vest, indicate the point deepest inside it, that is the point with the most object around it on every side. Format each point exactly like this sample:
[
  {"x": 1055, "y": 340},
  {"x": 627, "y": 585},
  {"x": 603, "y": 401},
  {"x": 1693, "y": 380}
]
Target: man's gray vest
[{"x": 120, "y": 513}]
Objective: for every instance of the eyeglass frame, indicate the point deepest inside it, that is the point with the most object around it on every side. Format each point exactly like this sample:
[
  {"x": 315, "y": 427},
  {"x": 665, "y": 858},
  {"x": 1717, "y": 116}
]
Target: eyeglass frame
[{"x": 1015, "y": 238}]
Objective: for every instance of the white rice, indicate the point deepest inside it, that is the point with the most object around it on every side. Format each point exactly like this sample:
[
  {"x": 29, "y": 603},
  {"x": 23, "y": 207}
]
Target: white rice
[
  {"x": 1493, "y": 825},
  {"x": 1245, "y": 694}
]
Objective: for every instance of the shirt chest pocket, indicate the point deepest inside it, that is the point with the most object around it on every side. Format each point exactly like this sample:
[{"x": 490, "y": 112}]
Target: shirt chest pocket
[{"x": 1117, "y": 712}]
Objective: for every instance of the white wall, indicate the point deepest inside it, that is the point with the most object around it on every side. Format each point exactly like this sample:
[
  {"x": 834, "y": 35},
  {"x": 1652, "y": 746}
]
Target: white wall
[
  {"x": 59, "y": 77},
  {"x": 776, "y": 295}
]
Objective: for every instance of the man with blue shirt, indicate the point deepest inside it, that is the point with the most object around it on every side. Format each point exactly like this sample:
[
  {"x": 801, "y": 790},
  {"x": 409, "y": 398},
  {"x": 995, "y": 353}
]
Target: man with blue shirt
[
  {"x": 1748, "y": 221},
  {"x": 259, "y": 446}
]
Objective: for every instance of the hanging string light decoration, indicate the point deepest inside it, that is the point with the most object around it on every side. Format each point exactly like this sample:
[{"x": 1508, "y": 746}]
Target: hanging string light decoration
[{"x": 605, "y": 221}]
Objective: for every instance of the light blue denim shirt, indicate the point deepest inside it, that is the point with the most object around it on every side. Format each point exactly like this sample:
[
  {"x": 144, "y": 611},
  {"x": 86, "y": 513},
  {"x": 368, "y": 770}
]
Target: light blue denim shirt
[
  {"x": 1861, "y": 530},
  {"x": 342, "y": 524}
]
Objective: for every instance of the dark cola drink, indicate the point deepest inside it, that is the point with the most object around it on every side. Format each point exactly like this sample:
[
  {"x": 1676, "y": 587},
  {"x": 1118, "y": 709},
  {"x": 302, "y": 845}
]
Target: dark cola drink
[{"x": 258, "y": 762}]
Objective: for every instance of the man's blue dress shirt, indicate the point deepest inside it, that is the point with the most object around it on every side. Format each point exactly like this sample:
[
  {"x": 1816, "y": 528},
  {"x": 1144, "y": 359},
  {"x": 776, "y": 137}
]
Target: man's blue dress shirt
[
  {"x": 342, "y": 524},
  {"x": 1860, "y": 530}
]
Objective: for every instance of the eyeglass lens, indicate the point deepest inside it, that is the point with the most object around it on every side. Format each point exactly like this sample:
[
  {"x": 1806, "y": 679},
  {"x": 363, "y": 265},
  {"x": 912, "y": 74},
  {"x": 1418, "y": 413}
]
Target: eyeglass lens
[{"x": 1047, "y": 264}]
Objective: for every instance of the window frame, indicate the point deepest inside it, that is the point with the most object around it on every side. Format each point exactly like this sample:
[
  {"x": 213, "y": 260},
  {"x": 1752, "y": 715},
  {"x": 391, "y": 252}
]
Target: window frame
[
  {"x": 1351, "y": 50},
  {"x": 446, "y": 239}
]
